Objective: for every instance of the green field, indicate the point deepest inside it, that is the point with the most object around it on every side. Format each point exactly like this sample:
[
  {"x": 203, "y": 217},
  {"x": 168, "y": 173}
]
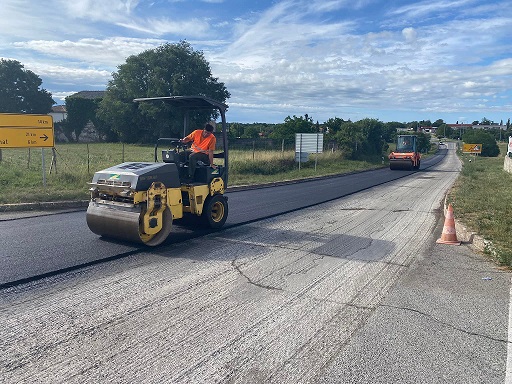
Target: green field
[
  {"x": 481, "y": 197},
  {"x": 22, "y": 180}
]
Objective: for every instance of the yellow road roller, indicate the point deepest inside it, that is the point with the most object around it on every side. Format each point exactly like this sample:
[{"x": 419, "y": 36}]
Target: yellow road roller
[{"x": 139, "y": 201}]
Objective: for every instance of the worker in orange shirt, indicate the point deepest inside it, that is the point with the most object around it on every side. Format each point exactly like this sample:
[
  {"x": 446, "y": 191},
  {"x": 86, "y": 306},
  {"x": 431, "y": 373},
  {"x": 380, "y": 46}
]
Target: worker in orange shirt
[{"x": 203, "y": 145}]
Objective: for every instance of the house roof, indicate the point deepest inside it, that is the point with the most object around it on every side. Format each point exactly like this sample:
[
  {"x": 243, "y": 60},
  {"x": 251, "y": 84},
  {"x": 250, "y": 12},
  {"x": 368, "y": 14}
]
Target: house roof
[
  {"x": 59, "y": 109},
  {"x": 89, "y": 94}
]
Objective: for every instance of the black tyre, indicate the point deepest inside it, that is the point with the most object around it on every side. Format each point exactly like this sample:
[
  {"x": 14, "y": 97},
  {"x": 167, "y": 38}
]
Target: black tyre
[{"x": 215, "y": 211}]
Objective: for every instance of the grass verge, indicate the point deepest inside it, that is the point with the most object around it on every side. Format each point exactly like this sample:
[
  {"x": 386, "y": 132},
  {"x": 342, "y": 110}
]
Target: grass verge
[
  {"x": 482, "y": 201},
  {"x": 22, "y": 180}
]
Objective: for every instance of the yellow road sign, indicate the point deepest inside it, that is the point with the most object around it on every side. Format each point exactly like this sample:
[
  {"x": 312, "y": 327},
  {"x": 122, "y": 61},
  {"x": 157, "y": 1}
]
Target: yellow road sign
[
  {"x": 22, "y": 131},
  {"x": 26, "y": 137},
  {"x": 472, "y": 148},
  {"x": 12, "y": 120}
]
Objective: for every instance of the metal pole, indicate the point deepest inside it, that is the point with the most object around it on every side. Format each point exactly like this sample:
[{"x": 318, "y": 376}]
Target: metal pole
[
  {"x": 42, "y": 161},
  {"x": 316, "y": 157},
  {"x": 300, "y": 149},
  {"x": 185, "y": 124}
]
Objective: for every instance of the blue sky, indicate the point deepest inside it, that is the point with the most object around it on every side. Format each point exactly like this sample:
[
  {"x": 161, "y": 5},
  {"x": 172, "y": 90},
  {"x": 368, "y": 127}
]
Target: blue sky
[{"x": 392, "y": 60}]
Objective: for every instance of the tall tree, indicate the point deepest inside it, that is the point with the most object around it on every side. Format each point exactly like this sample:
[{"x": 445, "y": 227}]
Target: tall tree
[
  {"x": 334, "y": 125},
  {"x": 20, "y": 90},
  {"x": 479, "y": 136},
  {"x": 293, "y": 125},
  {"x": 372, "y": 130},
  {"x": 171, "y": 69},
  {"x": 350, "y": 138}
]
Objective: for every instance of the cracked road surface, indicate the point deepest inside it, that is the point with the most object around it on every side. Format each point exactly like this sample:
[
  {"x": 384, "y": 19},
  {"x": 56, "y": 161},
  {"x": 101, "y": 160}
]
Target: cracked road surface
[{"x": 350, "y": 291}]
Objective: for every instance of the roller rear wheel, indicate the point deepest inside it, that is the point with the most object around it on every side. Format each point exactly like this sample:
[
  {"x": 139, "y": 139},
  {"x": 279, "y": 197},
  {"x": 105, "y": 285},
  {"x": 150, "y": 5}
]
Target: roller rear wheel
[{"x": 215, "y": 211}]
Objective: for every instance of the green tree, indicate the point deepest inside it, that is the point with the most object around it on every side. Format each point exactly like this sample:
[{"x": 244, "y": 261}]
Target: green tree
[
  {"x": 479, "y": 136},
  {"x": 362, "y": 139},
  {"x": 20, "y": 90},
  {"x": 171, "y": 69},
  {"x": 390, "y": 130},
  {"x": 423, "y": 143},
  {"x": 372, "y": 130},
  {"x": 251, "y": 132},
  {"x": 349, "y": 139},
  {"x": 333, "y": 125},
  {"x": 293, "y": 125},
  {"x": 444, "y": 130}
]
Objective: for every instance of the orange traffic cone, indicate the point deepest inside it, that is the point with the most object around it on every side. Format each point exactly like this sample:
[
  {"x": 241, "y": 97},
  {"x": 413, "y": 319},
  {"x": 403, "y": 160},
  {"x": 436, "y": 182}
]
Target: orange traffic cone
[{"x": 449, "y": 235}]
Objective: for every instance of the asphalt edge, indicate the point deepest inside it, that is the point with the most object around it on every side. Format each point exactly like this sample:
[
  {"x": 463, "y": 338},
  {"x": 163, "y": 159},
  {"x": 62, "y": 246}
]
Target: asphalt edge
[{"x": 44, "y": 206}]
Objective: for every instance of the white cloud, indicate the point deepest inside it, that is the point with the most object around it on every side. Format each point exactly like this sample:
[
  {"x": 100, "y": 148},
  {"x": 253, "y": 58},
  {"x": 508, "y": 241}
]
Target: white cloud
[
  {"x": 97, "y": 10},
  {"x": 410, "y": 34},
  {"x": 190, "y": 28},
  {"x": 429, "y": 7},
  {"x": 110, "y": 52}
]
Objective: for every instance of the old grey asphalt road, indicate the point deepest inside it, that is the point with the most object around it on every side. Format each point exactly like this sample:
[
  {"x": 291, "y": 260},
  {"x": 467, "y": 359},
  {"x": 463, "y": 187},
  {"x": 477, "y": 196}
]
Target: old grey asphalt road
[{"x": 354, "y": 290}]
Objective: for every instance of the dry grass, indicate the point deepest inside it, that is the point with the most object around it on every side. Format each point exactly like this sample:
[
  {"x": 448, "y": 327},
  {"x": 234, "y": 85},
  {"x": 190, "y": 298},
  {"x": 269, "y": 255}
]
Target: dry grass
[{"x": 21, "y": 173}]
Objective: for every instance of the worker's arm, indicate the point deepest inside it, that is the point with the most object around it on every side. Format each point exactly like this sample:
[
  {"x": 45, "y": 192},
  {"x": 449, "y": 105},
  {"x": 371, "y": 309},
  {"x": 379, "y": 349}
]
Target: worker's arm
[
  {"x": 188, "y": 138},
  {"x": 210, "y": 156}
]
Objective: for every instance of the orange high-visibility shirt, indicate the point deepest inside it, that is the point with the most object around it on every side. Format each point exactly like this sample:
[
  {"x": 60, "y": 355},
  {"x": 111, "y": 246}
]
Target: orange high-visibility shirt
[{"x": 200, "y": 143}]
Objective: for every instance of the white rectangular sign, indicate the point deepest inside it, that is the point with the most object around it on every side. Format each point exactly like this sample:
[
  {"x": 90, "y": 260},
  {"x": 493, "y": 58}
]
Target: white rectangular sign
[{"x": 309, "y": 142}]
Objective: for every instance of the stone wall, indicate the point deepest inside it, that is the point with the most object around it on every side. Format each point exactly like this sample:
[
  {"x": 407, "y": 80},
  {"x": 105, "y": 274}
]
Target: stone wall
[{"x": 88, "y": 135}]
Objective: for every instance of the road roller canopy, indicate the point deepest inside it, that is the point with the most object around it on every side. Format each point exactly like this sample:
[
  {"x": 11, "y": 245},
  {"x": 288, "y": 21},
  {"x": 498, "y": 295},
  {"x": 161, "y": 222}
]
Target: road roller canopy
[
  {"x": 406, "y": 143},
  {"x": 188, "y": 103}
]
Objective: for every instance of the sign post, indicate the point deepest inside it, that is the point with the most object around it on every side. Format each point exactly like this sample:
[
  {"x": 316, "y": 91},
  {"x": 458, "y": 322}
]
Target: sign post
[
  {"x": 27, "y": 131},
  {"x": 306, "y": 143},
  {"x": 472, "y": 148}
]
